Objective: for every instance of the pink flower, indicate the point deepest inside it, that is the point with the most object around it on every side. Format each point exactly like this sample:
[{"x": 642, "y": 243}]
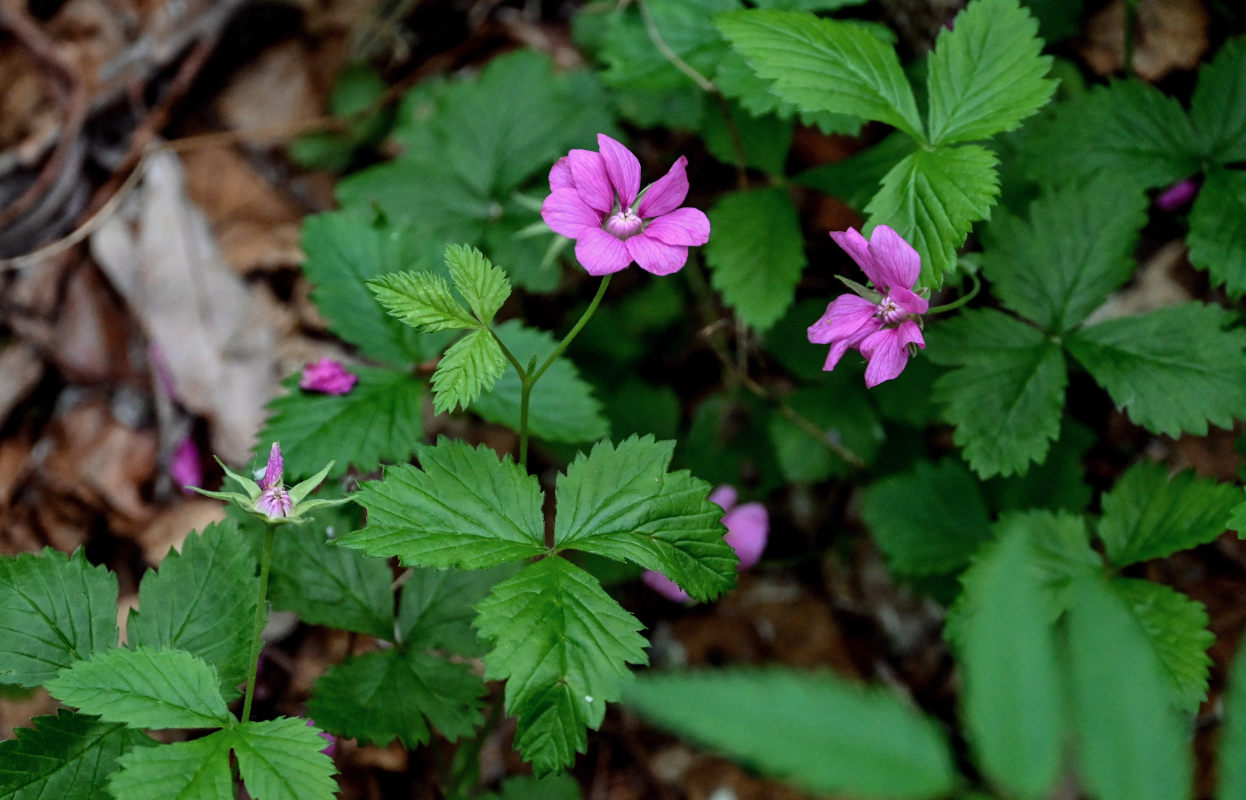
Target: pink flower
[
  {"x": 748, "y": 526},
  {"x": 184, "y": 465},
  {"x": 883, "y": 324},
  {"x": 327, "y": 377},
  {"x": 1177, "y": 195},
  {"x": 593, "y": 200},
  {"x": 274, "y": 501},
  {"x": 329, "y": 749}
]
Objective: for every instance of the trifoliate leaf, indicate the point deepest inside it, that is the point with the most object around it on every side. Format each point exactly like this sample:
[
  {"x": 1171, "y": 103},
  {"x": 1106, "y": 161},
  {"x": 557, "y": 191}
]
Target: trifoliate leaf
[
  {"x": 470, "y": 367},
  {"x": 202, "y": 601},
  {"x": 330, "y": 585},
  {"x": 1075, "y": 248},
  {"x": 1232, "y": 752},
  {"x": 194, "y": 770},
  {"x": 483, "y": 286},
  {"x": 1130, "y": 742},
  {"x": 1218, "y": 107},
  {"x": 562, "y": 407},
  {"x": 463, "y": 507},
  {"x": 1217, "y": 238},
  {"x": 932, "y": 198},
  {"x": 1148, "y": 515},
  {"x": 58, "y": 609},
  {"x": 1013, "y": 699},
  {"x": 554, "y": 787},
  {"x": 422, "y": 300},
  {"x": 1174, "y": 370},
  {"x": 563, "y": 646},
  {"x": 622, "y": 503},
  {"x": 69, "y": 755},
  {"x": 281, "y": 760},
  {"x": 1151, "y": 140},
  {"x": 986, "y": 73},
  {"x": 758, "y": 253},
  {"x": 835, "y": 737},
  {"x": 820, "y": 64},
  {"x": 397, "y": 694},
  {"x": 344, "y": 250},
  {"x": 929, "y": 520},
  {"x": 437, "y": 607},
  {"x": 1005, "y": 396},
  {"x": 144, "y": 688},
  {"x": 378, "y": 420},
  {"x": 1177, "y": 629}
]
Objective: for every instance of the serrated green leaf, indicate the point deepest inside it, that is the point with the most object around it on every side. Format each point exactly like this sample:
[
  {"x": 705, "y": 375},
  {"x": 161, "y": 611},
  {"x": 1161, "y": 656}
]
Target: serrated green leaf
[
  {"x": 832, "y": 736},
  {"x": 986, "y": 73},
  {"x": 144, "y": 688},
  {"x": 281, "y": 760},
  {"x": 733, "y": 135},
  {"x": 856, "y": 179},
  {"x": 1130, "y": 743},
  {"x": 1129, "y": 128},
  {"x": 437, "y": 607},
  {"x": 194, "y": 770},
  {"x": 932, "y": 198},
  {"x": 928, "y": 520},
  {"x": 563, "y": 646},
  {"x": 1074, "y": 249},
  {"x": 820, "y": 64},
  {"x": 202, "y": 601},
  {"x": 345, "y": 249},
  {"x": 1232, "y": 750},
  {"x": 1149, "y": 515},
  {"x": 758, "y": 253},
  {"x": 69, "y": 755},
  {"x": 57, "y": 609},
  {"x": 622, "y": 503},
  {"x": 1217, "y": 238},
  {"x": 470, "y": 367},
  {"x": 422, "y": 300},
  {"x": 737, "y": 80},
  {"x": 1005, "y": 396},
  {"x": 1218, "y": 107},
  {"x": 562, "y": 407},
  {"x": 1173, "y": 370},
  {"x": 555, "y": 787},
  {"x": 685, "y": 26},
  {"x": 330, "y": 585},
  {"x": 397, "y": 694},
  {"x": 483, "y": 286},
  {"x": 1177, "y": 629},
  {"x": 1058, "y": 484},
  {"x": 1013, "y": 699},
  {"x": 462, "y": 508},
  {"x": 378, "y": 420}
]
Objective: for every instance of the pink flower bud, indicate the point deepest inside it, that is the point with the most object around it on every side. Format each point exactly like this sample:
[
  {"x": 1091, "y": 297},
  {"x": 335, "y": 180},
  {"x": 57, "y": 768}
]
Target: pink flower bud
[
  {"x": 327, "y": 377},
  {"x": 1177, "y": 195},
  {"x": 184, "y": 465}
]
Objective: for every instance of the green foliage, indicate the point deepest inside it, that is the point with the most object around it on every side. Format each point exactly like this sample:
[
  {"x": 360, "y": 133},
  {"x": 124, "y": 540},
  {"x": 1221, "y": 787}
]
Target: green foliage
[
  {"x": 58, "y": 609},
  {"x": 194, "y": 770},
  {"x": 201, "y": 601},
  {"x": 554, "y": 787},
  {"x": 356, "y": 88},
  {"x": 563, "y": 646},
  {"x": 1148, "y": 515},
  {"x": 850, "y": 419},
  {"x": 686, "y": 26},
  {"x": 1176, "y": 627},
  {"x": 462, "y": 507},
  {"x": 1130, "y": 743},
  {"x": 737, "y": 80},
  {"x": 1217, "y": 238},
  {"x": 1013, "y": 698},
  {"x": 69, "y": 755},
  {"x": 470, "y": 367},
  {"x": 1075, "y": 248},
  {"x": 1233, "y": 732},
  {"x": 1059, "y": 483},
  {"x": 929, "y": 520},
  {"x": 422, "y": 300},
  {"x": 1218, "y": 107},
  {"x": 757, "y": 253},
  {"x": 483, "y": 286},
  {"x": 1174, "y": 370},
  {"x": 280, "y": 759},
  {"x": 763, "y": 140},
  {"x": 815, "y": 730},
  {"x": 986, "y": 74},
  {"x": 622, "y": 503},
  {"x": 1005, "y": 396},
  {"x": 437, "y": 607},
  {"x": 856, "y": 179}
]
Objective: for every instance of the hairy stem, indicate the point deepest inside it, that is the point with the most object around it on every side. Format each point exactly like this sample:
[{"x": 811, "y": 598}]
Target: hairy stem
[{"x": 257, "y": 629}]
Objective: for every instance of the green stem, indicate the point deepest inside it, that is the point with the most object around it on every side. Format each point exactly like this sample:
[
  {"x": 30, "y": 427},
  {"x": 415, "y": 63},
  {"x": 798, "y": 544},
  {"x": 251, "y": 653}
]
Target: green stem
[
  {"x": 257, "y": 629},
  {"x": 960, "y": 301}
]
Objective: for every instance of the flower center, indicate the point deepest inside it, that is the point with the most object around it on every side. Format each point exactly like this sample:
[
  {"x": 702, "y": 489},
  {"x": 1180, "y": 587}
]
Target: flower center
[
  {"x": 275, "y": 502},
  {"x": 889, "y": 312},
  {"x": 624, "y": 224}
]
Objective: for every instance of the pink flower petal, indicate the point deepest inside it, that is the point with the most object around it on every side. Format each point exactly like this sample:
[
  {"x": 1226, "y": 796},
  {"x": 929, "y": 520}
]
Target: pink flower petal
[
  {"x": 275, "y": 503},
  {"x": 666, "y": 193},
  {"x": 888, "y": 352},
  {"x": 748, "y": 527},
  {"x": 664, "y": 586},
  {"x": 895, "y": 260},
  {"x": 1177, "y": 195},
  {"x": 844, "y": 317},
  {"x": 185, "y": 465},
  {"x": 588, "y": 169},
  {"x": 856, "y": 245},
  {"x": 655, "y": 257},
  {"x": 908, "y": 301},
  {"x": 560, "y": 175},
  {"x": 600, "y": 253},
  {"x": 327, "y": 377},
  {"x": 683, "y": 226},
  {"x": 724, "y": 496},
  {"x": 272, "y": 472},
  {"x": 622, "y": 167},
  {"x": 567, "y": 213}
]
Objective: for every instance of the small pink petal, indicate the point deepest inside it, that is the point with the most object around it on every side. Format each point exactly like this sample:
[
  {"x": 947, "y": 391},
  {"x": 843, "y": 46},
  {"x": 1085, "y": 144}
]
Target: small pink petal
[
  {"x": 666, "y": 193},
  {"x": 748, "y": 527},
  {"x": 331, "y": 747},
  {"x": 1177, "y": 195},
  {"x": 567, "y": 213},
  {"x": 622, "y": 167},
  {"x": 683, "y": 226},
  {"x": 856, "y": 245},
  {"x": 888, "y": 352},
  {"x": 843, "y": 318},
  {"x": 275, "y": 503},
  {"x": 560, "y": 175},
  {"x": 600, "y": 253},
  {"x": 908, "y": 301},
  {"x": 185, "y": 465},
  {"x": 272, "y": 472},
  {"x": 588, "y": 169},
  {"x": 655, "y": 257},
  {"x": 664, "y": 586},
  {"x": 327, "y": 377},
  {"x": 724, "y": 496},
  {"x": 895, "y": 260}
]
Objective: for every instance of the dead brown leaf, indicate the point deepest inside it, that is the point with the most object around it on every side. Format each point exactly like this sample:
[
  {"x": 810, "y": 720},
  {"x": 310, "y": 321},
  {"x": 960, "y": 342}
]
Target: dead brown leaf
[
  {"x": 1169, "y": 35},
  {"x": 20, "y": 371}
]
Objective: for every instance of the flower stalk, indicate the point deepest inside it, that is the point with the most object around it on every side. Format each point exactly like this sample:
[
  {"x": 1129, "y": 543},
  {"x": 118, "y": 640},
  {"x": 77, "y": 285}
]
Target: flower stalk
[{"x": 261, "y": 615}]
